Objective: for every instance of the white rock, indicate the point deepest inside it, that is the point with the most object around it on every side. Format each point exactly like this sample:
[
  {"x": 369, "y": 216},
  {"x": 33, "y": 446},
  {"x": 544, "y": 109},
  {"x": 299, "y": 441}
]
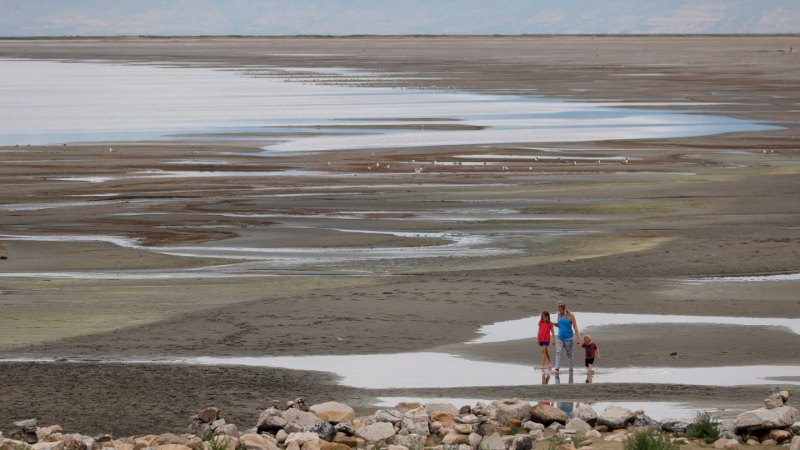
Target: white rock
[
  {"x": 281, "y": 436},
  {"x": 376, "y": 432},
  {"x": 585, "y": 412},
  {"x": 504, "y": 410},
  {"x": 474, "y": 440},
  {"x": 398, "y": 447},
  {"x": 795, "y": 445},
  {"x": 333, "y": 412},
  {"x": 305, "y": 419},
  {"x": 766, "y": 419},
  {"x": 615, "y": 417},
  {"x": 593, "y": 434}
]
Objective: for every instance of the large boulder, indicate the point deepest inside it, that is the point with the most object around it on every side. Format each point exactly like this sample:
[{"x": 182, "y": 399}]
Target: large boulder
[
  {"x": 434, "y": 408},
  {"x": 375, "y": 432},
  {"x": 766, "y": 419},
  {"x": 547, "y": 414},
  {"x": 780, "y": 435},
  {"x": 270, "y": 420},
  {"x": 774, "y": 401},
  {"x": 304, "y": 419},
  {"x": 333, "y": 412},
  {"x": 578, "y": 425},
  {"x": 615, "y": 417},
  {"x": 44, "y": 433},
  {"x": 795, "y": 445},
  {"x": 417, "y": 421},
  {"x": 586, "y": 413},
  {"x": 505, "y": 410}
]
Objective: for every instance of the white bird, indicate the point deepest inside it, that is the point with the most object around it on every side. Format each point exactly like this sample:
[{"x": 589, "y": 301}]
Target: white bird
[
  {"x": 598, "y": 161},
  {"x": 530, "y": 167},
  {"x": 329, "y": 163},
  {"x": 110, "y": 149},
  {"x": 536, "y": 158},
  {"x": 505, "y": 168},
  {"x": 574, "y": 163}
]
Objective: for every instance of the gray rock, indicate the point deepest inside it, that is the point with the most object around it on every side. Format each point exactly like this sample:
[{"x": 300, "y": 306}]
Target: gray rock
[
  {"x": 796, "y": 428},
  {"x": 536, "y": 434},
  {"x": 795, "y": 445},
  {"x": 292, "y": 427},
  {"x": 492, "y": 442},
  {"x": 217, "y": 424},
  {"x": 727, "y": 425},
  {"x": 522, "y": 443},
  {"x": 593, "y": 434},
  {"x": 585, "y": 412},
  {"x": 504, "y": 410},
  {"x": 270, "y": 420},
  {"x": 388, "y": 415},
  {"x": 417, "y": 421},
  {"x": 615, "y": 417},
  {"x": 766, "y": 419},
  {"x": 471, "y": 419},
  {"x": 675, "y": 425},
  {"x": 555, "y": 426},
  {"x": 375, "y": 432},
  {"x": 643, "y": 420},
  {"x": 578, "y": 425},
  {"x": 324, "y": 429}
]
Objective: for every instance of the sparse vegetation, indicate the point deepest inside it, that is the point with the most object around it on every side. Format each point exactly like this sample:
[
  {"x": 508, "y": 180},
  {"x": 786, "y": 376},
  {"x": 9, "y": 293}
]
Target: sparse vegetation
[
  {"x": 704, "y": 427},
  {"x": 645, "y": 440}
]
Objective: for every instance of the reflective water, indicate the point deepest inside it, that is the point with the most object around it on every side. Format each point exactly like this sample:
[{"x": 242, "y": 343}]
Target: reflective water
[
  {"x": 52, "y": 102},
  {"x": 521, "y": 328}
]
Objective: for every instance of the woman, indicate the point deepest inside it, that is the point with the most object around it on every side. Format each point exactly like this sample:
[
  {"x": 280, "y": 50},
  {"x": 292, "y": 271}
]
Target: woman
[{"x": 568, "y": 335}]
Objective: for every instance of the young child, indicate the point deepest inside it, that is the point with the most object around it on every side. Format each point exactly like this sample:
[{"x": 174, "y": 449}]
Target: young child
[
  {"x": 592, "y": 351},
  {"x": 545, "y": 336}
]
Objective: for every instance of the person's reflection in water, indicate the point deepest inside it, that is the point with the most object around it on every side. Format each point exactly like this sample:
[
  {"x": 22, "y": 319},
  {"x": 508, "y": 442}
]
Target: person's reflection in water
[
  {"x": 545, "y": 378},
  {"x": 567, "y": 407}
]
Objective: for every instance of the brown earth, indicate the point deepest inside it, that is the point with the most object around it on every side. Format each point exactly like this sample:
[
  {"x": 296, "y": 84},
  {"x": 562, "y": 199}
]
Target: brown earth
[{"x": 644, "y": 229}]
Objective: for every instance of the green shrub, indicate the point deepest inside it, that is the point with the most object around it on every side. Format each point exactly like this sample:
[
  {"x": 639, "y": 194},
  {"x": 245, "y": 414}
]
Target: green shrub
[
  {"x": 704, "y": 427},
  {"x": 645, "y": 440},
  {"x": 218, "y": 443}
]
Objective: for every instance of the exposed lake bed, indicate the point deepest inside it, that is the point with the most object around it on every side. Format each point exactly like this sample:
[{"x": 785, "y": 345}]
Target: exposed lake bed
[{"x": 356, "y": 248}]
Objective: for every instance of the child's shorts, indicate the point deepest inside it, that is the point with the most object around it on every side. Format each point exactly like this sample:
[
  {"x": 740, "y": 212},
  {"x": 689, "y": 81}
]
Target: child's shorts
[
  {"x": 589, "y": 362},
  {"x": 544, "y": 344}
]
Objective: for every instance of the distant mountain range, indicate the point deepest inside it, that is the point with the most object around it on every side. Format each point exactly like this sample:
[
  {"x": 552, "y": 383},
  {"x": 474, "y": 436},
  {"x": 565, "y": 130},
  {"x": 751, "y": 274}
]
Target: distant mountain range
[{"x": 345, "y": 17}]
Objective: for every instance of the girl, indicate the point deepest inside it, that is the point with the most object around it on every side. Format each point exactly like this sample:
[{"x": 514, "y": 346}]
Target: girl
[{"x": 546, "y": 335}]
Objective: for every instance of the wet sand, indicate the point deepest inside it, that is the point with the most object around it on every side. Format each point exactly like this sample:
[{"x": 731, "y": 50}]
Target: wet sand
[{"x": 604, "y": 238}]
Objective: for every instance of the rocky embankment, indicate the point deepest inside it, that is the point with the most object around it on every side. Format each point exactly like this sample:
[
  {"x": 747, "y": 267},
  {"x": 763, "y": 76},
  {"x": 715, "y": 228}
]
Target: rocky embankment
[{"x": 499, "y": 425}]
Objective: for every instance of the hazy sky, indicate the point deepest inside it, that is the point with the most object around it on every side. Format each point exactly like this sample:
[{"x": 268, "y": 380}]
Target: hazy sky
[{"x": 337, "y": 17}]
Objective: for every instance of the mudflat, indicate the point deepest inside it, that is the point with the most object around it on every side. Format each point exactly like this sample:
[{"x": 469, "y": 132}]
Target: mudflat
[{"x": 635, "y": 238}]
